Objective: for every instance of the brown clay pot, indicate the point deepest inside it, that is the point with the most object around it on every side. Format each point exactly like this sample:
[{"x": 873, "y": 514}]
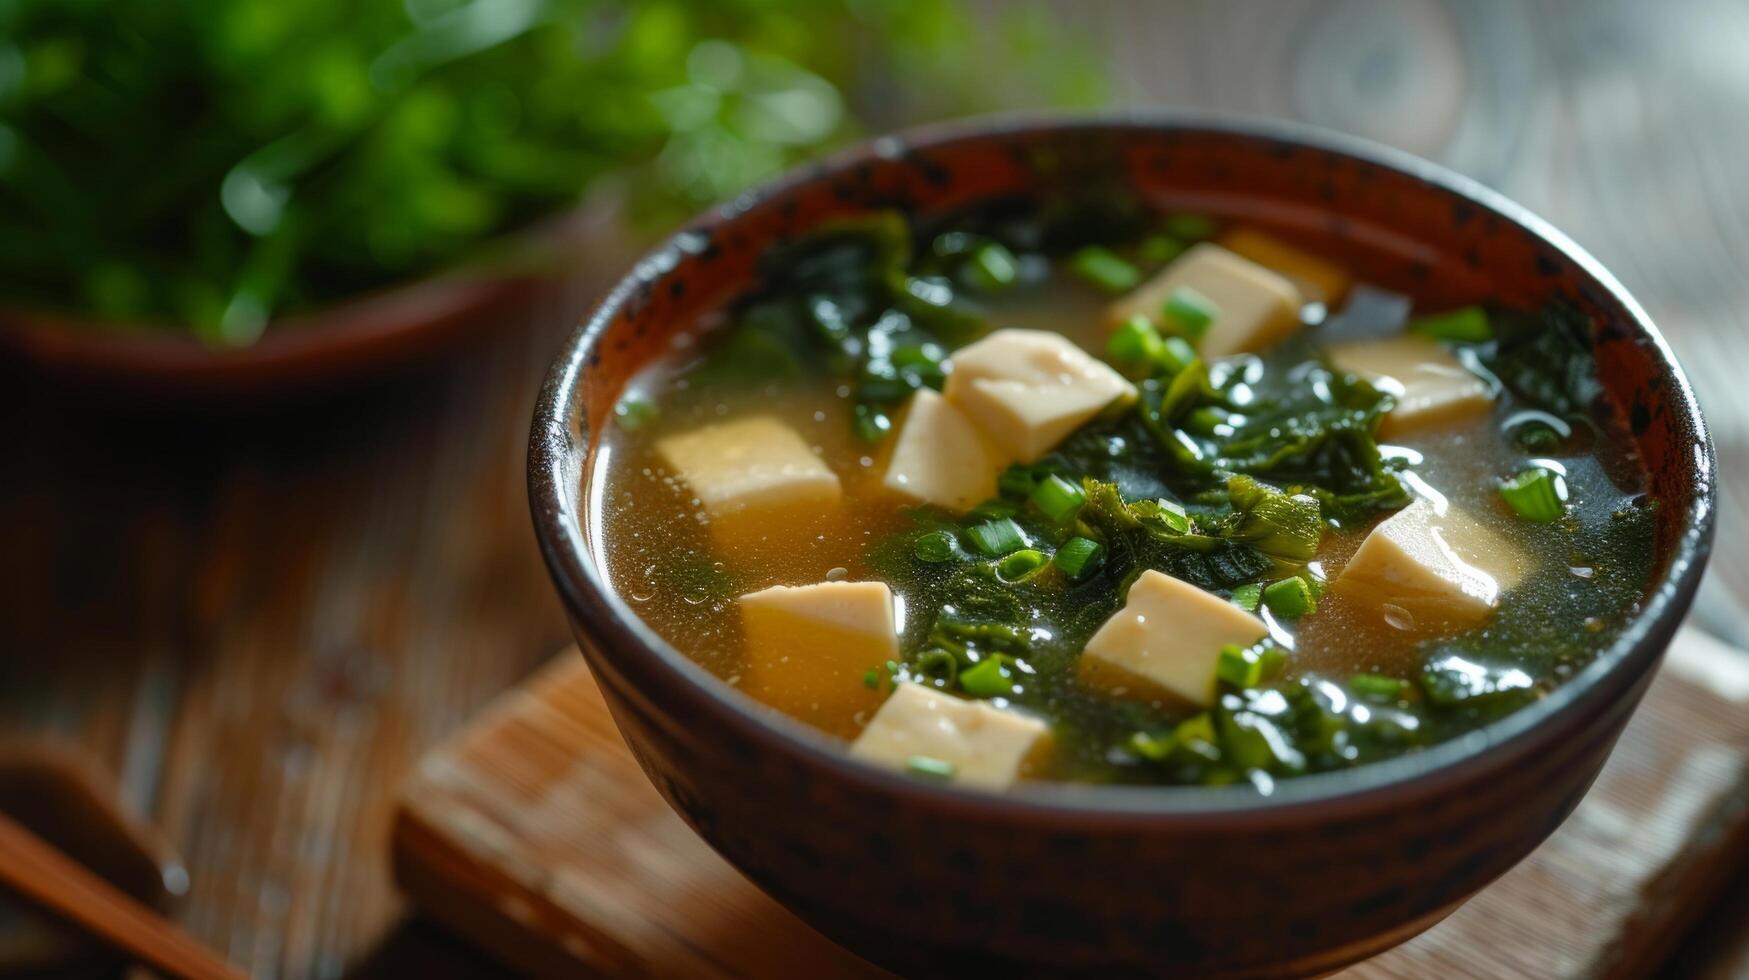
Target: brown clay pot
[{"x": 1053, "y": 880}]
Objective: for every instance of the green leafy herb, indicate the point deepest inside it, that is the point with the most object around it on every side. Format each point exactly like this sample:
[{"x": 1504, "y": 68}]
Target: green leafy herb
[{"x": 214, "y": 165}]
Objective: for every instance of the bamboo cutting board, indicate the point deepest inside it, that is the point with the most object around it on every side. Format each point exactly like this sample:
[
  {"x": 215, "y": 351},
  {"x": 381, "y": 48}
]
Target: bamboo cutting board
[{"x": 534, "y": 834}]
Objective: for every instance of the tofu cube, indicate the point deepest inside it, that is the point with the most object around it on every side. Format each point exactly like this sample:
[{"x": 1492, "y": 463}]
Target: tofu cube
[
  {"x": 1431, "y": 385},
  {"x": 1431, "y": 565},
  {"x": 984, "y": 745},
  {"x": 1028, "y": 389},
  {"x": 1254, "y": 307},
  {"x": 809, "y": 646},
  {"x": 1166, "y": 641},
  {"x": 750, "y": 464},
  {"x": 1318, "y": 281},
  {"x": 940, "y": 457}
]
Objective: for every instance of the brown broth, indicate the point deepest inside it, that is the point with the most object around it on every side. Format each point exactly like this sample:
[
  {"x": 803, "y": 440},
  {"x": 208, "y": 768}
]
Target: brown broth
[{"x": 681, "y": 576}]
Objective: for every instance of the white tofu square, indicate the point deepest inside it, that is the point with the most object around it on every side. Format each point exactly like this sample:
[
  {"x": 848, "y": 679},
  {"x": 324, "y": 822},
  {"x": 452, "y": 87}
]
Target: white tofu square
[
  {"x": 985, "y": 745},
  {"x": 1028, "y": 389},
  {"x": 1166, "y": 641},
  {"x": 1431, "y": 385},
  {"x": 1431, "y": 565},
  {"x": 1254, "y": 307},
  {"x": 809, "y": 647},
  {"x": 755, "y": 463},
  {"x": 940, "y": 457}
]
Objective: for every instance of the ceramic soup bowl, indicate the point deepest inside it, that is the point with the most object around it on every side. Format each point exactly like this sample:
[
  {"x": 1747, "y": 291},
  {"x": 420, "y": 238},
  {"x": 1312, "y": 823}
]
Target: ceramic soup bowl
[{"x": 1053, "y": 880}]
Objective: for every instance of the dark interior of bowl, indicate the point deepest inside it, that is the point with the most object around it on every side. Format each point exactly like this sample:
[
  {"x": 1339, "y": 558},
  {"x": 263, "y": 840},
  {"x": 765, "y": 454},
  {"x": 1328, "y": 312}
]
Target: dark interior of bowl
[{"x": 1452, "y": 240}]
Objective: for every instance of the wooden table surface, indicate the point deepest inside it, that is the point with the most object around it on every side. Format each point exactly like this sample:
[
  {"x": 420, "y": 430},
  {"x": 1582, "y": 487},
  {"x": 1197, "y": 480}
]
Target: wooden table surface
[{"x": 259, "y": 619}]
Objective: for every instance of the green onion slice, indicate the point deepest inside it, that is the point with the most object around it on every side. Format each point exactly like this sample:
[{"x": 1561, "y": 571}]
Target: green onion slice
[
  {"x": 1536, "y": 494},
  {"x": 1078, "y": 556},
  {"x": 1106, "y": 269},
  {"x": 1058, "y": 499},
  {"x": 926, "y": 765},
  {"x": 1189, "y": 312},
  {"x": 1465, "y": 325},
  {"x": 992, "y": 267},
  {"x": 936, "y": 547},
  {"x": 1290, "y": 598},
  {"x": 998, "y": 537}
]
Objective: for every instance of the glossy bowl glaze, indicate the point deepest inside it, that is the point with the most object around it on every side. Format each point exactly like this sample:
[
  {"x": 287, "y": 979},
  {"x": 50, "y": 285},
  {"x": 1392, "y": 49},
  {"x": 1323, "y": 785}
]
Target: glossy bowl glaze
[{"x": 1054, "y": 880}]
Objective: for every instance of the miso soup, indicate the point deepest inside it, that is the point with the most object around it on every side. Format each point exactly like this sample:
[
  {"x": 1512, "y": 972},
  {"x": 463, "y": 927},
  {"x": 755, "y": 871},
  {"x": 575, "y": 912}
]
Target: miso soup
[{"x": 1098, "y": 491}]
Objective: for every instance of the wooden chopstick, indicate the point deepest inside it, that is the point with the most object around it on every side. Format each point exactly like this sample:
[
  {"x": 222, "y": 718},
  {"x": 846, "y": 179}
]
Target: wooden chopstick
[{"x": 58, "y": 884}]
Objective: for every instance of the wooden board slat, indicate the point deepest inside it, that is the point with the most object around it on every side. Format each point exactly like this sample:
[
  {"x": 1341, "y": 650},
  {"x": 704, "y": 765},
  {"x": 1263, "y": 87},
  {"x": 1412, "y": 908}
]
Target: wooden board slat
[{"x": 534, "y": 834}]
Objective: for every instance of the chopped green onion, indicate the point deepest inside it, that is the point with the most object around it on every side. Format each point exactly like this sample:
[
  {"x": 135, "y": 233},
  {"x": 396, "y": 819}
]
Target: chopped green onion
[
  {"x": 1468, "y": 325},
  {"x": 1196, "y": 727},
  {"x": 988, "y": 678},
  {"x": 1154, "y": 748},
  {"x": 1290, "y": 598},
  {"x": 1536, "y": 494},
  {"x": 1250, "y": 666},
  {"x": 992, "y": 267},
  {"x": 1106, "y": 269},
  {"x": 872, "y": 679},
  {"x": 1247, "y": 597},
  {"x": 924, "y": 765},
  {"x": 872, "y": 424},
  {"x": 1377, "y": 686},
  {"x": 1189, "y": 312},
  {"x": 1135, "y": 343},
  {"x": 631, "y": 413},
  {"x": 1160, "y": 249},
  {"x": 936, "y": 547},
  {"x": 998, "y": 537},
  {"x": 1077, "y": 556},
  {"x": 1057, "y": 498},
  {"x": 1190, "y": 226},
  {"x": 1178, "y": 354},
  {"x": 1020, "y": 566}
]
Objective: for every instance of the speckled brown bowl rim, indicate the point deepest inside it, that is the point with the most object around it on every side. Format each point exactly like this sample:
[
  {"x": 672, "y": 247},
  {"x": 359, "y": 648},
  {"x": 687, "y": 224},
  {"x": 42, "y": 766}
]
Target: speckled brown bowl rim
[{"x": 556, "y": 459}]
